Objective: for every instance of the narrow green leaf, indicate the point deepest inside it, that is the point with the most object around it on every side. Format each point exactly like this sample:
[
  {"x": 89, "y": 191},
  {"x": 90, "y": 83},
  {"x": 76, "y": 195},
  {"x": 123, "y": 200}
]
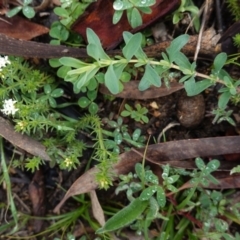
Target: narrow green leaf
[
  {"x": 182, "y": 61},
  {"x": 72, "y": 62},
  {"x": 94, "y": 48},
  {"x": 147, "y": 193},
  {"x": 132, "y": 46},
  {"x": 194, "y": 88},
  {"x": 176, "y": 45},
  {"x": 117, "y": 16},
  {"x": 125, "y": 216},
  {"x": 150, "y": 77},
  {"x": 135, "y": 18},
  {"x": 200, "y": 163},
  {"x": 213, "y": 165},
  {"x": 85, "y": 78},
  {"x": 111, "y": 80},
  {"x": 140, "y": 54},
  {"x": 219, "y": 61},
  {"x": 13, "y": 11},
  {"x": 139, "y": 169},
  {"x": 224, "y": 99},
  {"x": 153, "y": 209},
  {"x": 161, "y": 197}
]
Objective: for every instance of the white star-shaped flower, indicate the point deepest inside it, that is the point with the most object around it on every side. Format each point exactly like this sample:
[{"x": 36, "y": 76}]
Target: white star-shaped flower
[
  {"x": 8, "y": 107},
  {"x": 3, "y": 62}
]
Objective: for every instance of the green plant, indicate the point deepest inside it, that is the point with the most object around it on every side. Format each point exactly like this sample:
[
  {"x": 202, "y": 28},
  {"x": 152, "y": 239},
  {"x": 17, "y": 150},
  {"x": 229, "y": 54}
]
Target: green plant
[
  {"x": 81, "y": 73},
  {"x": 121, "y": 134},
  {"x": 133, "y": 9},
  {"x": 88, "y": 101},
  {"x": 28, "y": 11},
  {"x": 68, "y": 12},
  {"x": 236, "y": 40},
  {"x": 138, "y": 115},
  {"x": 185, "y": 7},
  {"x": 148, "y": 198},
  {"x": 233, "y": 6}
]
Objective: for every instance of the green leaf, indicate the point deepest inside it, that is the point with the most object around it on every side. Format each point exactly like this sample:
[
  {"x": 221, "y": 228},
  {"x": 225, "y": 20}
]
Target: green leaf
[
  {"x": 47, "y": 89},
  {"x": 58, "y": 92},
  {"x": 61, "y": 12},
  {"x": 125, "y": 216},
  {"x": 94, "y": 48},
  {"x": 145, "y": 10},
  {"x": 135, "y": 18},
  {"x": 85, "y": 78},
  {"x": 72, "y": 62},
  {"x": 235, "y": 170},
  {"x": 219, "y": 61},
  {"x": 190, "y": 86},
  {"x": 200, "y": 163},
  {"x": 63, "y": 71},
  {"x": 117, "y": 16},
  {"x": 145, "y": 3},
  {"x": 132, "y": 46},
  {"x": 194, "y": 88},
  {"x": 136, "y": 134},
  {"x": 212, "y": 166},
  {"x": 13, "y": 11},
  {"x": 147, "y": 193},
  {"x": 27, "y": 2},
  {"x": 54, "y": 62},
  {"x": 52, "y": 102},
  {"x": 176, "y": 45},
  {"x": 28, "y": 12},
  {"x": 224, "y": 99},
  {"x": 125, "y": 113},
  {"x": 161, "y": 197},
  {"x": 93, "y": 108},
  {"x": 111, "y": 80},
  {"x": 92, "y": 95},
  {"x": 182, "y": 61},
  {"x": 153, "y": 209},
  {"x": 83, "y": 102},
  {"x": 140, "y": 54},
  {"x": 150, "y": 77},
  {"x": 139, "y": 169},
  {"x": 150, "y": 177}
]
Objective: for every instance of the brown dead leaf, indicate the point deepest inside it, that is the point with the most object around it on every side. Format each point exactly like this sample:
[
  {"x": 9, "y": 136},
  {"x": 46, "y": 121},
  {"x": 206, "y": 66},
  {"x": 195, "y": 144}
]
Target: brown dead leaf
[
  {"x": 21, "y": 28},
  {"x": 130, "y": 90},
  {"x": 37, "y": 195},
  {"x": 161, "y": 153},
  {"x": 97, "y": 209},
  {"x": 22, "y": 141}
]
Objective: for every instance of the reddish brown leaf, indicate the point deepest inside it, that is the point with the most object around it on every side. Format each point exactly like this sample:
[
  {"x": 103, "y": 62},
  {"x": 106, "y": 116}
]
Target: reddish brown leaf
[
  {"x": 161, "y": 153},
  {"x": 98, "y": 16},
  {"x": 21, "y": 28},
  {"x": 131, "y": 91}
]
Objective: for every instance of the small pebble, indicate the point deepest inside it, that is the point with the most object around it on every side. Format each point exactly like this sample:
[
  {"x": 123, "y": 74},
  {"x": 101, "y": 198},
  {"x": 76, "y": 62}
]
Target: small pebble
[{"x": 190, "y": 110}]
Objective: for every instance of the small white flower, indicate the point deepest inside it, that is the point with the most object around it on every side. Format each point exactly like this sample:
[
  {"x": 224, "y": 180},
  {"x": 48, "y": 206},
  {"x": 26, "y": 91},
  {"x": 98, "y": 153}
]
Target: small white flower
[
  {"x": 3, "y": 62},
  {"x": 8, "y": 107}
]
